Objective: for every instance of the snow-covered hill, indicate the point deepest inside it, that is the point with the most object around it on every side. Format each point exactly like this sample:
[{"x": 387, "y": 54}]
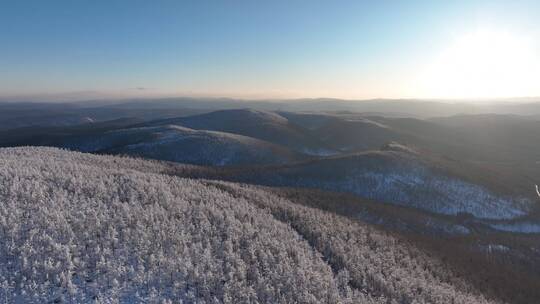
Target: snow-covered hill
[
  {"x": 82, "y": 228},
  {"x": 396, "y": 175},
  {"x": 179, "y": 144},
  {"x": 264, "y": 125}
]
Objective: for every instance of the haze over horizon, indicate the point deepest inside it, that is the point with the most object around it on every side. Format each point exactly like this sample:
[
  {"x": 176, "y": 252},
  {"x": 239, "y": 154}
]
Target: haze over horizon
[
  {"x": 356, "y": 50},
  {"x": 95, "y": 96}
]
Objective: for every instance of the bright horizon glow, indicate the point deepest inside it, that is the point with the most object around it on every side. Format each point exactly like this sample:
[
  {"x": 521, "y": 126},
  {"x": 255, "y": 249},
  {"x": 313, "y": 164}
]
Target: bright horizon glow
[
  {"x": 354, "y": 49},
  {"x": 485, "y": 63}
]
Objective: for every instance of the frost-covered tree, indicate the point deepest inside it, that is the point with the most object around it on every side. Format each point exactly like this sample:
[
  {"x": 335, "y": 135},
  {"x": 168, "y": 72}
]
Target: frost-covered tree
[{"x": 83, "y": 228}]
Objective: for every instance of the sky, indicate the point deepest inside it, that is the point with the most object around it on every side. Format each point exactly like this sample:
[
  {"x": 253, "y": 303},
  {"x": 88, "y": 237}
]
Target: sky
[{"x": 270, "y": 49}]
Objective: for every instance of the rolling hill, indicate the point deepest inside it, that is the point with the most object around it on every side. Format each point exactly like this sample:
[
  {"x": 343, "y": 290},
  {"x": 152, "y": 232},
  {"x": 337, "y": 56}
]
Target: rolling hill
[
  {"x": 24, "y": 115},
  {"x": 264, "y": 125},
  {"x": 400, "y": 175},
  {"x": 179, "y": 144},
  {"x": 84, "y": 228}
]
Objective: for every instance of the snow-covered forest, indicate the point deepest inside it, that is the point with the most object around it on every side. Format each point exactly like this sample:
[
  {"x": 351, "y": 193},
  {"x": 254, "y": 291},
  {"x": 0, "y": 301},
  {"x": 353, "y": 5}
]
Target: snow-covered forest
[
  {"x": 396, "y": 177},
  {"x": 81, "y": 228},
  {"x": 269, "y": 152}
]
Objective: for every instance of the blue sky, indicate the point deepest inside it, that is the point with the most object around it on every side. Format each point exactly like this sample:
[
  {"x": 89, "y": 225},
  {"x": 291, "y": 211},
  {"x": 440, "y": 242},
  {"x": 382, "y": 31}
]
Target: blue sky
[{"x": 347, "y": 49}]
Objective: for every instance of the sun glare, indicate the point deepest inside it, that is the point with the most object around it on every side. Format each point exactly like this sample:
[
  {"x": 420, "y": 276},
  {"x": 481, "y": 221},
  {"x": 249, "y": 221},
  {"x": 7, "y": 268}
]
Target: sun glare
[{"x": 485, "y": 64}]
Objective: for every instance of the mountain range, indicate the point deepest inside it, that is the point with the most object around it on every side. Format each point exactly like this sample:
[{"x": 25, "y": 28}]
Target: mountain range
[{"x": 319, "y": 192}]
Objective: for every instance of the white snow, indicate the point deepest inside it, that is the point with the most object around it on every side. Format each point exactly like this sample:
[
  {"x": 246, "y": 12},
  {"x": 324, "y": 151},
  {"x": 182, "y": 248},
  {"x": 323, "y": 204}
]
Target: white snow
[
  {"x": 420, "y": 188},
  {"x": 519, "y": 227}
]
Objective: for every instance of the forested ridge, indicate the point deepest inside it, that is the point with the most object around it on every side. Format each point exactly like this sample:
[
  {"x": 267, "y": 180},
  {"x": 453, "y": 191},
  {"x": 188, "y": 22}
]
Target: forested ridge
[{"x": 82, "y": 228}]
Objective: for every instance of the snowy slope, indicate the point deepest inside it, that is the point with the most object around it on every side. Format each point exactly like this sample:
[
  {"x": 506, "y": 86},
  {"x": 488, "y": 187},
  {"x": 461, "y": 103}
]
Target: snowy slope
[
  {"x": 396, "y": 176},
  {"x": 179, "y": 144},
  {"x": 518, "y": 227},
  {"x": 77, "y": 232},
  {"x": 264, "y": 125}
]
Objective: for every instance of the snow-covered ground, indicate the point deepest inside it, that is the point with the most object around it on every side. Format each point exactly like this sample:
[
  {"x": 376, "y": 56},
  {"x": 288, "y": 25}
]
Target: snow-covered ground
[
  {"x": 179, "y": 144},
  {"x": 79, "y": 228},
  {"x": 519, "y": 227},
  {"x": 436, "y": 193},
  {"x": 408, "y": 184},
  {"x": 430, "y": 226}
]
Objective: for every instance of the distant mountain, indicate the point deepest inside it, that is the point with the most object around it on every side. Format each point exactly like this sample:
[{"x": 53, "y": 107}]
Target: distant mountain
[
  {"x": 418, "y": 108},
  {"x": 264, "y": 125},
  {"x": 180, "y": 144},
  {"x": 157, "y": 108},
  {"x": 55, "y": 135},
  {"x": 347, "y": 131},
  {"x": 25, "y": 115},
  {"x": 512, "y": 137},
  {"x": 400, "y": 175},
  {"x": 507, "y": 143},
  {"x": 499, "y": 152},
  {"x": 358, "y": 134}
]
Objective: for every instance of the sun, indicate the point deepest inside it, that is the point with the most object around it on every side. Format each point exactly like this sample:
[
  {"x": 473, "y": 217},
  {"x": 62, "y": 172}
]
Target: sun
[{"x": 485, "y": 64}]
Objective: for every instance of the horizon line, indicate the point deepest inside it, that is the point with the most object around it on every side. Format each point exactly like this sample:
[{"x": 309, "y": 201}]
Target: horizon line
[{"x": 71, "y": 97}]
